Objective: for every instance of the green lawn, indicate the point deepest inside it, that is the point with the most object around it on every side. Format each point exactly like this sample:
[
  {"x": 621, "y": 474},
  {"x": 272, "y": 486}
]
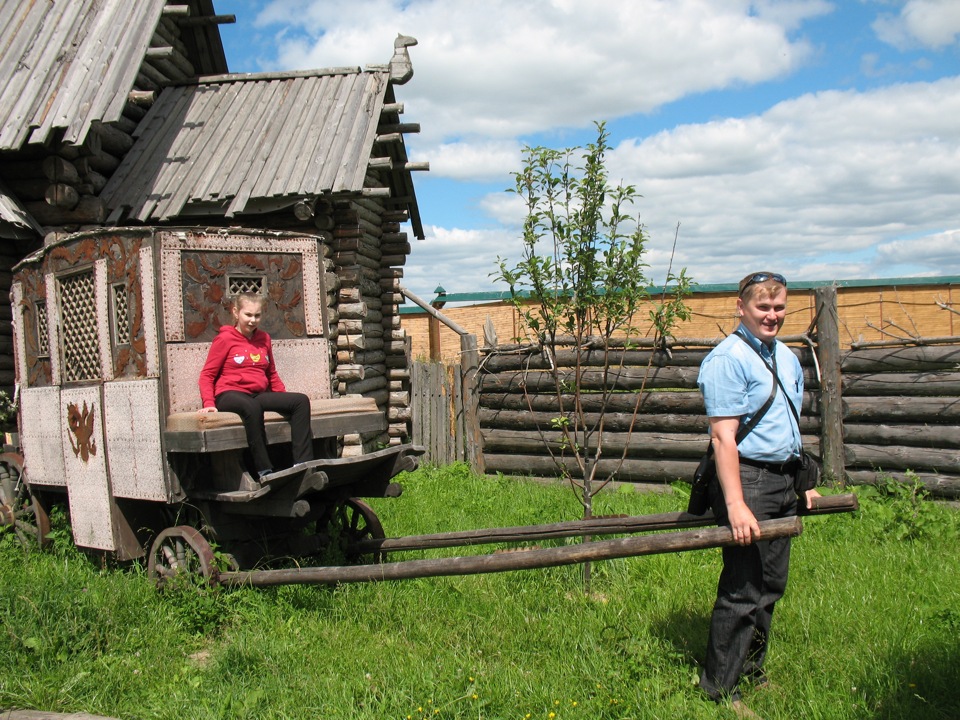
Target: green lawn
[{"x": 870, "y": 626}]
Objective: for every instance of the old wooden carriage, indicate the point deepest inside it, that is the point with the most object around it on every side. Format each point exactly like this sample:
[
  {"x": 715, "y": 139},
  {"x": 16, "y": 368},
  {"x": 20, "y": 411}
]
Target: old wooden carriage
[{"x": 111, "y": 330}]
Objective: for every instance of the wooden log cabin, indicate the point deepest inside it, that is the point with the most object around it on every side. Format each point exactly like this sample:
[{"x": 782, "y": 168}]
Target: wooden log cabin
[{"x": 115, "y": 114}]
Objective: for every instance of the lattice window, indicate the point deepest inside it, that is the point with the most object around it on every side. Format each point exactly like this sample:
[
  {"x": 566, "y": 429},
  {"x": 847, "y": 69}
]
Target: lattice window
[
  {"x": 237, "y": 284},
  {"x": 121, "y": 316},
  {"x": 43, "y": 331},
  {"x": 78, "y": 310}
]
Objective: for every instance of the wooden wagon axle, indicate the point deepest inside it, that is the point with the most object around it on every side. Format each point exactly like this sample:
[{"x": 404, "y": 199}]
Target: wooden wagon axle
[{"x": 697, "y": 539}]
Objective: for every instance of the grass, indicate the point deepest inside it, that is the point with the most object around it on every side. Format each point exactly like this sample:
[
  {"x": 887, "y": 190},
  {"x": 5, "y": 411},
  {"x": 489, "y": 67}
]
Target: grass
[{"x": 869, "y": 627}]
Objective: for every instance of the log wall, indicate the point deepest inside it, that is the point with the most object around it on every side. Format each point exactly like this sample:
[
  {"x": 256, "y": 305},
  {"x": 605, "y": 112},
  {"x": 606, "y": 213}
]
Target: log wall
[{"x": 899, "y": 414}]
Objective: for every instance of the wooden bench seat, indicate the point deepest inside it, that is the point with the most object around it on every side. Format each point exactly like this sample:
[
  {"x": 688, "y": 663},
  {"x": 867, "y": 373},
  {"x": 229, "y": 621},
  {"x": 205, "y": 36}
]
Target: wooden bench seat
[{"x": 214, "y": 432}]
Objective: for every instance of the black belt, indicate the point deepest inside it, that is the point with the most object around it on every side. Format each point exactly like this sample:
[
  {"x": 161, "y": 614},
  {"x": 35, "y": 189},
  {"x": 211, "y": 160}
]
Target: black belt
[{"x": 787, "y": 467}]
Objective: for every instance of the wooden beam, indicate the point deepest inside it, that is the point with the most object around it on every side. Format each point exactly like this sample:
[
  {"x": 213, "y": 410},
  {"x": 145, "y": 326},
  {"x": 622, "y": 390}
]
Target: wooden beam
[
  {"x": 399, "y": 128},
  {"x": 503, "y": 562},
  {"x": 208, "y": 20}
]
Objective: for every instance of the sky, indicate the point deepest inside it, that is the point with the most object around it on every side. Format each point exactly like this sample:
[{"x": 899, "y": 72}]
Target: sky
[{"x": 817, "y": 138}]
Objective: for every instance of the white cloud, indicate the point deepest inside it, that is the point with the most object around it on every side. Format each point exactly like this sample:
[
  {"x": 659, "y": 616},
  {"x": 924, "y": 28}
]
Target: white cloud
[
  {"x": 460, "y": 260},
  {"x": 477, "y": 160},
  {"x": 933, "y": 24},
  {"x": 506, "y": 68},
  {"x": 837, "y": 174}
]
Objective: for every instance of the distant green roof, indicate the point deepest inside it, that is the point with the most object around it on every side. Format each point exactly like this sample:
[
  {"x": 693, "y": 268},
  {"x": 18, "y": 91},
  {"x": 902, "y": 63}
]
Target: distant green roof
[{"x": 491, "y": 296}]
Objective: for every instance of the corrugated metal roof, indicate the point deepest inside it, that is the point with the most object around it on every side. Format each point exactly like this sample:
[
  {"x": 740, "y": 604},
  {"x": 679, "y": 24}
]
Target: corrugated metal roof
[
  {"x": 65, "y": 64},
  {"x": 492, "y": 296},
  {"x": 240, "y": 142}
]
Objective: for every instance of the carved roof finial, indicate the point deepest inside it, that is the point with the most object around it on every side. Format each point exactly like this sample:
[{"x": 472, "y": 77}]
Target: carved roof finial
[{"x": 401, "y": 69}]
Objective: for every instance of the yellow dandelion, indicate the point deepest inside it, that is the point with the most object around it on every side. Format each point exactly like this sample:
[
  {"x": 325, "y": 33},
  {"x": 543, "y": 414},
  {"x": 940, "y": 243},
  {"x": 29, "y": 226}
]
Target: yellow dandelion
[
  {"x": 552, "y": 715},
  {"x": 475, "y": 696}
]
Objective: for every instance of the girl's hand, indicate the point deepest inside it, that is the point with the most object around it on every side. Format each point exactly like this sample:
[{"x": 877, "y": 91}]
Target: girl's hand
[{"x": 207, "y": 410}]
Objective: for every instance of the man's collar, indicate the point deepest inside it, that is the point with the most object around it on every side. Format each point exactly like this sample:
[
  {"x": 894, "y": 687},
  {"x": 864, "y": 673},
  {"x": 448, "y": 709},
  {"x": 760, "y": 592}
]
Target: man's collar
[{"x": 754, "y": 341}]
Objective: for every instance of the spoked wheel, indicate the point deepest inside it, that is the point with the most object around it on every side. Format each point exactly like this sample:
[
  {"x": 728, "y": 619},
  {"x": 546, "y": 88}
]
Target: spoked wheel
[
  {"x": 19, "y": 507},
  {"x": 180, "y": 552},
  {"x": 357, "y": 522}
]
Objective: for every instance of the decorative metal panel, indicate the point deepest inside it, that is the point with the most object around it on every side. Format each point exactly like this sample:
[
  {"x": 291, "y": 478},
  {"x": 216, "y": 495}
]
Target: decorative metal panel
[
  {"x": 31, "y": 322},
  {"x": 314, "y": 295},
  {"x": 80, "y": 342},
  {"x": 184, "y": 362},
  {"x": 170, "y": 283},
  {"x": 43, "y": 338},
  {"x": 91, "y": 507},
  {"x": 120, "y": 314},
  {"x": 199, "y": 273},
  {"x": 148, "y": 307},
  {"x": 133, "y": 427},
  {"x": 53, "y": 329},
  {"x": 304, "y": 366},
  {"x": 19, "y": 334},
  {"x": 115, "y": 253},
  {"x": 205, "y": 290},
  {"x": 101, "y": 299},
  {"x": 40, "y": 435}
]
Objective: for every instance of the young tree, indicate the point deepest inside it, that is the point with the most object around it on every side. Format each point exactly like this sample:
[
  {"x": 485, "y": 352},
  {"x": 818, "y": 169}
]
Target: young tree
[{"x": 580, "y": 283}]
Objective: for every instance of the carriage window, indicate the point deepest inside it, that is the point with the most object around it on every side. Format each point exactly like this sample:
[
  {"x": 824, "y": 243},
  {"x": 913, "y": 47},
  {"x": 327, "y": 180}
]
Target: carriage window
[
  {"x": 237, "y": 284},
  {"x": 81, "y": 349},
  {"x": 43, "y": 338},
  {"x": 121, "y": 316}
]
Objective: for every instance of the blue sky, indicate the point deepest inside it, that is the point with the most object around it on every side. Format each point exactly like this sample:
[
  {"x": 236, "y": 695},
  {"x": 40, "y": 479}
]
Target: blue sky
[{"x": 816, "y": 138}]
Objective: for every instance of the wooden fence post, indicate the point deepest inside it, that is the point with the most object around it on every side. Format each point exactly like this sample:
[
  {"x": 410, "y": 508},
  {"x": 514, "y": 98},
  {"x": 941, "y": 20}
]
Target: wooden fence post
[
  {"x": 470, "y": 365},
  {"x": 831, "y": 400}
]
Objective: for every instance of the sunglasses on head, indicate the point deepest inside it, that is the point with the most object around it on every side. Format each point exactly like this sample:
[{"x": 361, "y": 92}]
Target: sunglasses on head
[{"x": 761, "y": 277}]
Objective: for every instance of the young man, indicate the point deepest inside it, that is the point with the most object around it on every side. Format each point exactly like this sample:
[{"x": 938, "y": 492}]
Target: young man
[{"x": 756, "y": 481}]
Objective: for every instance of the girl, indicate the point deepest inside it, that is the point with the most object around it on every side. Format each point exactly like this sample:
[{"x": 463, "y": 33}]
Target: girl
[{"x": 240, "y": 377}]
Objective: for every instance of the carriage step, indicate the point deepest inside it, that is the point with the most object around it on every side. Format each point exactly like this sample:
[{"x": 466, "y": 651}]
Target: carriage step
[{"x": 232, "y": 496}]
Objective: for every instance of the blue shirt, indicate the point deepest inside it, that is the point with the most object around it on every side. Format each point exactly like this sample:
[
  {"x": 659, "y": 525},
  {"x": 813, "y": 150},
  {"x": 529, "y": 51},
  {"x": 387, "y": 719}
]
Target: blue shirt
[{"x": 736, "y": 381}]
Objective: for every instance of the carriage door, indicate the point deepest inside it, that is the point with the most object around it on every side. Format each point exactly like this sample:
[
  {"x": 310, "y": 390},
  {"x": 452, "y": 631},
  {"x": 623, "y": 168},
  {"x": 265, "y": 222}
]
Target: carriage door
[{"x": 81, "y": 343}]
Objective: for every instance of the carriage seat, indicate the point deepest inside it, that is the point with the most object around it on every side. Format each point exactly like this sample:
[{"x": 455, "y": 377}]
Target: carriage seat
[{"x": 212, "y": 432}]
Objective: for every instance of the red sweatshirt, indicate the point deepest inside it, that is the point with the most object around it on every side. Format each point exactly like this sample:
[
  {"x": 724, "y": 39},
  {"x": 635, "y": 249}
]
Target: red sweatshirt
[{"x": 237, "y": 363}]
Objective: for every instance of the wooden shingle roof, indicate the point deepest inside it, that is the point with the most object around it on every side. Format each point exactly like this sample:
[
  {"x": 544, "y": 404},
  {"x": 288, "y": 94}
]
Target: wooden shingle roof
[
  {"x": 252, "y": 143},
  {"x": 66, "y": 65}
]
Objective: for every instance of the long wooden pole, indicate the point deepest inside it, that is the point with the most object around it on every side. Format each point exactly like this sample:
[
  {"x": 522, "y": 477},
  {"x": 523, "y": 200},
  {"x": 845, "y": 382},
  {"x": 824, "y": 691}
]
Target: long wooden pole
[
  {"x": 504, "y": 562},
  {"x": 621, "y": 525}
]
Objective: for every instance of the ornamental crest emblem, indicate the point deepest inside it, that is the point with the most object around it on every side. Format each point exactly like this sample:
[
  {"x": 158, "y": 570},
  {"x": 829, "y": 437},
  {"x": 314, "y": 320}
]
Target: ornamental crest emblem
[{"x": 80, "y": 423}]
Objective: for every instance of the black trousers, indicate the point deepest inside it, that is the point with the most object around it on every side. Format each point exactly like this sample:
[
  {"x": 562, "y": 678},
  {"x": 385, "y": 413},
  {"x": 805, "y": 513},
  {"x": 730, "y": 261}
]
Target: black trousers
[
  {"x": 294, "y": 406},
  {"x": 753, "y": 578}
]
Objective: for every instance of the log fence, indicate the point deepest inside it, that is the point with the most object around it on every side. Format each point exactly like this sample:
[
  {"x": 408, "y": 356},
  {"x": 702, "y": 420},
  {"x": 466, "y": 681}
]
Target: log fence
[{"x": 867, "y": 412}]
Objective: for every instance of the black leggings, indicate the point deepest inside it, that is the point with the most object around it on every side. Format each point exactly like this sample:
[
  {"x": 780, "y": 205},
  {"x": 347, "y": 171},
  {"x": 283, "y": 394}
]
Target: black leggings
[{"x": 294, "y": 406}]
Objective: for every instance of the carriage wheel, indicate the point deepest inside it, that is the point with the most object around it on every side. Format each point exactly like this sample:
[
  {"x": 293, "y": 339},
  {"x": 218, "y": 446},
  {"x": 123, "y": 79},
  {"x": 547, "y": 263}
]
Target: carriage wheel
[
  {"x": 19, "y": 507},
  {"x": 180, "y": 552},
  {"x": 357, "y": 522}
]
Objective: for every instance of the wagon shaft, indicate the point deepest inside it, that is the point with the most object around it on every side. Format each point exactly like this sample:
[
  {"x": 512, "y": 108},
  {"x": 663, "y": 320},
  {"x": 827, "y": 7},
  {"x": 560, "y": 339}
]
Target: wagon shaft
[
  {"x": 503, "y": 562},
  {"x": 576, "y": 528}
]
